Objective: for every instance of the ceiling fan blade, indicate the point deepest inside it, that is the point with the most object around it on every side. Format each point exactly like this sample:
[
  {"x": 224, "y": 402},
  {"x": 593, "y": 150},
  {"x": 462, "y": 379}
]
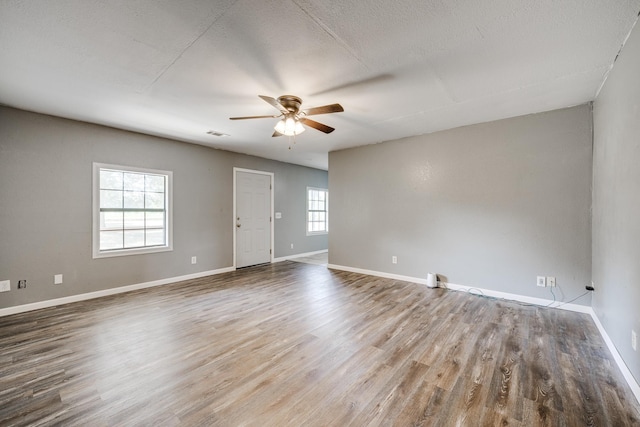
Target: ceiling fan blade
[
  {"x": 316, "y": 125},
  {"x": 276, "y": 133},
  {"x": 252, "y": 117},
  {"x": 274, "y": 102},
  {"x": 333, "y": 108}
]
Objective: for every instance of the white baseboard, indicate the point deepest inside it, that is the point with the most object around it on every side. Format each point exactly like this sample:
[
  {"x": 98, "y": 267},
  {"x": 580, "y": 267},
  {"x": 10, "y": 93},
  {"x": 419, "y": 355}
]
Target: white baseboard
[
  {"x": 628, "y": 376},
  {"x": 470, "y": 289},
  {"x": 288, "y": 257},
  {"x": 378, "y": 274},
  {"x": 521, "y": 298},
  {"x": 635, "y": 387},
  {"x": 105, "y": 292}
]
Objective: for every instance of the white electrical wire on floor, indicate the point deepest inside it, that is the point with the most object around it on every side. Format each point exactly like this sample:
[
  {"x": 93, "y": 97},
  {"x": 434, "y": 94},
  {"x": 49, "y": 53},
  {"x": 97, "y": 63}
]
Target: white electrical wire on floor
[{"x": 479, "y": 293}]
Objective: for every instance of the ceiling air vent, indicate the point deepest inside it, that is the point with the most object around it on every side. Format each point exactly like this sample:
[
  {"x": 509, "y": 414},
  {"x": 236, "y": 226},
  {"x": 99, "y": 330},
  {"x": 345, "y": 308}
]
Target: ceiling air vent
[{"x": 216, "y": 133}]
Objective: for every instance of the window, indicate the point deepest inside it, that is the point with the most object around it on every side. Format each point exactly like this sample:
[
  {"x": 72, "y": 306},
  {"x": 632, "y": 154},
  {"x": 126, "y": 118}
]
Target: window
[
  {"x": 317, "y": 211},
  {"x": 131, "y": 210}
]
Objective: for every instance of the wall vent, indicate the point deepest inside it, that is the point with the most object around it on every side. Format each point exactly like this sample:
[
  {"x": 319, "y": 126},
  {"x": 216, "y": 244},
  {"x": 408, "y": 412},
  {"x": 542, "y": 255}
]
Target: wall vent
[{"x": 216, "y": 133}]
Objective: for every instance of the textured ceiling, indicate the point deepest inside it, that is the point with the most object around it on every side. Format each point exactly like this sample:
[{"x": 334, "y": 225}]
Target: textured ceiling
[{"x": 399, "y": 68}]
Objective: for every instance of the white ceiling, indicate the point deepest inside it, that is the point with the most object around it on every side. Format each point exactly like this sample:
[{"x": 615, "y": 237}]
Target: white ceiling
[{"x": 399, "y": 68}]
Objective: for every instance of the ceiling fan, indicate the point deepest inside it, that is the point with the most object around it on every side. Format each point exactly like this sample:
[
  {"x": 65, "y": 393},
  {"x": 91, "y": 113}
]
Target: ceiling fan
[{"x": 292, "y": 118}]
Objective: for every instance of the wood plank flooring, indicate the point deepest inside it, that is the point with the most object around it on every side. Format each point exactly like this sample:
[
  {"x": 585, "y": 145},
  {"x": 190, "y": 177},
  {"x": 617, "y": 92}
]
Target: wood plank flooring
[{"x": 294, "y": 344}]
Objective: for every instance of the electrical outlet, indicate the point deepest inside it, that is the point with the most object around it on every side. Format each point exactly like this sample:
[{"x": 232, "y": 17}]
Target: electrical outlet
[
  {"x": 194, "y": 260},
  {"x": 57, "y": 279},
  {"x": 541, "y": 281},
  {"x": 551, "y": 281},
  {"x": 394, "y": 259},
  {"x": 634, "y": 340},
  {"x": 292, "y": 246},
  {"x": 22, "y": 284},
  {"x": 5, "y": 286}
]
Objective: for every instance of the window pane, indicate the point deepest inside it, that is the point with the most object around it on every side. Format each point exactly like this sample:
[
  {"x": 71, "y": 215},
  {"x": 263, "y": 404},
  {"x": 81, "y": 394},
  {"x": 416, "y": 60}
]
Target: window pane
[
  {"x": 155, "y": 219},
  {"x": 110, "y": 180},
  {"x": 133, "y": 238},
  {"x": 322, "y": 193},
  {"x": 155, "y": 237},
  {"x": 133, "y": 181},
  {"x": 110, "y": 199},
  {"x": 110, "y": 240},
  {"x": 154, "y": 200},
  {"x": 154, "y": 183},
  {"x": 110, "y": 220},
  {"x": 134, "y": 199},
  {"x": 134, "y": 220}
]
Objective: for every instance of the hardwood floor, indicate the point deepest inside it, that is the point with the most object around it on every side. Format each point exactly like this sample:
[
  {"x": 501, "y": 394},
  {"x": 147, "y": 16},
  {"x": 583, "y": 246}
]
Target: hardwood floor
[
  {"x": 318, "y": 259},
  {"x": 294, "y": 344}
]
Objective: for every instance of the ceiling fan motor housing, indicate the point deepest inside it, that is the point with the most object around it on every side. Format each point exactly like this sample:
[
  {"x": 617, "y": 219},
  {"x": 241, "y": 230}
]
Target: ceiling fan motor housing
[{"x": 290, "y": 102}]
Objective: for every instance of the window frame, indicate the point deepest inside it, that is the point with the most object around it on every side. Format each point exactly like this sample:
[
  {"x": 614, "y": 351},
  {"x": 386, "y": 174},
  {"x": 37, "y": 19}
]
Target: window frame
[
  {"x": 326, "y": 212},
  {"x": 168, "y": 246}
]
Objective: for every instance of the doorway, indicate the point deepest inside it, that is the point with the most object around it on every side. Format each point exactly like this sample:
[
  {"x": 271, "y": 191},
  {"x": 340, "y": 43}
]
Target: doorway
[{"x": 252, "y": 214}]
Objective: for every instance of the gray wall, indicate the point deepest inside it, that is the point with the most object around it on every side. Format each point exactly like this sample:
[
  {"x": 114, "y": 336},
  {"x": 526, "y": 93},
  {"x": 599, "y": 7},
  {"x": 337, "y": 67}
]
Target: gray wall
[
  {"x": 491, "y": 205},
  {"x": 45, "y": 206},
  {"x": 616, "y": 202}
]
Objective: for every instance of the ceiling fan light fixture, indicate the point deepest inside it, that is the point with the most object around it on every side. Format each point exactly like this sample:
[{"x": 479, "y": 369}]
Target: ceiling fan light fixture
[
  {"x": 289, "y": 127},
  {"x": 279, "y": 127}
]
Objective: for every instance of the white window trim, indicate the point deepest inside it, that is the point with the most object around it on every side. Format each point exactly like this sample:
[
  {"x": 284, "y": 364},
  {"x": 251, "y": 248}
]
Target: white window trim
[
  {"x": 96, "y": 212},
  {"x": 306, "y": 220}
]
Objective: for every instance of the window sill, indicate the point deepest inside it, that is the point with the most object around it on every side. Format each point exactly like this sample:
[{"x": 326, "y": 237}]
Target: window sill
[{"x": 127, "y": 252}]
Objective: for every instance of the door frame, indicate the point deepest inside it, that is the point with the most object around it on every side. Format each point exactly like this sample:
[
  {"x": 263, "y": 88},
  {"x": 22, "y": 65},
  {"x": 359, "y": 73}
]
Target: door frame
[{"x": 271, "y": 243}]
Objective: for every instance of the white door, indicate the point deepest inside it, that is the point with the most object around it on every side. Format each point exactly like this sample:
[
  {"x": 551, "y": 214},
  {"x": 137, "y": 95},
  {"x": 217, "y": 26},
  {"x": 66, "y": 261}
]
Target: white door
[{"x": 253, "y": 218}]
